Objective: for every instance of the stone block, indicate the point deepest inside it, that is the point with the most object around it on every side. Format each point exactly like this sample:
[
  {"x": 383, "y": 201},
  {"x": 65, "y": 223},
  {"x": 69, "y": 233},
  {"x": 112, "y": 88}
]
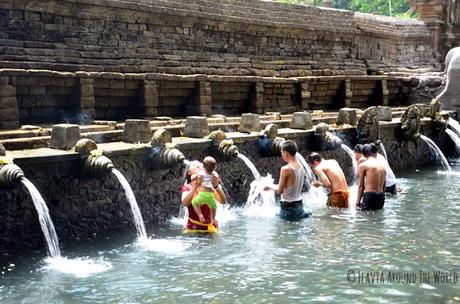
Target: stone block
[
  {"x": 347, "y": 116},
  {"x": 137, "y": 131},
  {"x": 196, "y": 126},
  {"x": 301, "y": 120},
  {"x": 384, "y": 114},
  {"x": 64, "y": 136},
  {"x": 249, "y": 123}
]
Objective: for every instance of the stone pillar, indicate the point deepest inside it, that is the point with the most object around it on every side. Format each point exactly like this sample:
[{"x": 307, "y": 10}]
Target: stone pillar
[
  {"x": 305, "y": 96},
  {"x": 258, "y": 102},
  {"x": 204, "y": 98},
  {"x": 85, "y": 96},
  {"x": 196, "y": 126},
  {"x": 348, "y": 93},
  {"x": 249, "y": 123},
  {"x": 64, "y": 136},
  {"x": 9, "y": 111},
  {"x": 137, "y": 131},
  {"x": 385, "y": 92},
  {"x": 150, "y": 97}
]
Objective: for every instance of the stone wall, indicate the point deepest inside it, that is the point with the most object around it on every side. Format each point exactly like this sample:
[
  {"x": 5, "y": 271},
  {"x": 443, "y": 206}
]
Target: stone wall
[
  {"x": 226, "y": 37},
  {"x": 83, "y": 207},
  {"x": 40, "y": 96}
]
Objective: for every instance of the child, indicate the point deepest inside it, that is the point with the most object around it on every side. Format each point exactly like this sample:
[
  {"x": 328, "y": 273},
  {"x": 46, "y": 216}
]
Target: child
[{"x": 206, "y": 191}]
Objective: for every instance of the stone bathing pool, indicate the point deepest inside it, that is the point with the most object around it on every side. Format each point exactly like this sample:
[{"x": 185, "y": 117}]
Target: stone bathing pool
[{"x": 256, "y": 257}]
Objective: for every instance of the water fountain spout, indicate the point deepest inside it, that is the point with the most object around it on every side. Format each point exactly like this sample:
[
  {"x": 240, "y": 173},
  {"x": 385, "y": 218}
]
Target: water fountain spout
[
  {"x": 167, "y": 153},
  {"x": 10, "y": 174},
  {"x": 329, "y": 141},
  {"x": 410, "y": 123},
  {"x": 368, "y": 127},
  {"x": 270, "y": 142},
  {"x": 93, "y": 162},
  {"x": 224, "y": 146}
]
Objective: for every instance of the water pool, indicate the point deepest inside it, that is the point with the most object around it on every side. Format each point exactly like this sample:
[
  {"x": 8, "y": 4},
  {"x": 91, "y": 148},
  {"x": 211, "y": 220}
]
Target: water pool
[{"x": 256, "y": 259}]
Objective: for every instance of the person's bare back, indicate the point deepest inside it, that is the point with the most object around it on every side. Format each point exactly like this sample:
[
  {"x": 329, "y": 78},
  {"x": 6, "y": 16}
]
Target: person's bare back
[
  {"x": 334, "y": 173},
  {"x": 374, "y": 172}
]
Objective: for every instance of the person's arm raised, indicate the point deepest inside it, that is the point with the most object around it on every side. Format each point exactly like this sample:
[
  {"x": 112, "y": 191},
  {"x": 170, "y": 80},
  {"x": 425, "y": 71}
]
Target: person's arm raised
[{"x": 187, "y": 196}]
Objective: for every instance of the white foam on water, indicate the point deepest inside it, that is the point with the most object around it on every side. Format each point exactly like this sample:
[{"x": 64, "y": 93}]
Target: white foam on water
[
  {"x": 79, "y": 267},
  {"x": 163, "y": 245}
]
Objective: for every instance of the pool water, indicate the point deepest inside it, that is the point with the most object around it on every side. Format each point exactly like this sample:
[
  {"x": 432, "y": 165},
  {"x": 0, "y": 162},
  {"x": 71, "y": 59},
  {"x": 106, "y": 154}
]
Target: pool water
[{"x": 257, "y": 258}]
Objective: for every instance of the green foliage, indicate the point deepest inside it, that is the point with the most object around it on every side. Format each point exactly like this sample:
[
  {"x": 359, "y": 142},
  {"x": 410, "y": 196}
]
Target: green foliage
[{"x": 399, "y": 8}]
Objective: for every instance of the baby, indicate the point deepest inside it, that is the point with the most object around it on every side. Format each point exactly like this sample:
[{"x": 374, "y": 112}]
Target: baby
[{"x": 205, "y": 194}]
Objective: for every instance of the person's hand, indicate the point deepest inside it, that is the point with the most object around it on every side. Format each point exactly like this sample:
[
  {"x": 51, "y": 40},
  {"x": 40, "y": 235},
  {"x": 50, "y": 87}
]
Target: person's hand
[
  {"x": 216, "y": 181},
  {"x": 267, "y": 188},
  {"x": 198, "y": 180},
  {"x": 201, "y": 217},
  {"x": 316, "y": 184}
]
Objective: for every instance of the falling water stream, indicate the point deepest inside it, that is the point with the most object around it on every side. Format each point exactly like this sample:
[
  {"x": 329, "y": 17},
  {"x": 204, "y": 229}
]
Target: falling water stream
[
  {"x": 251, "y": 166},
  {"x": 437, "y": 152},
  {"x": 455, "y": 125},
  {"x": 44, "y": 218},
  {"x": 80, "y": 266},
  {"x": 353, "y": 160},
  {"x": 382, "y": 147},
  {"x": 454, "y": 138},
  {"x": 138, "y": 221}
]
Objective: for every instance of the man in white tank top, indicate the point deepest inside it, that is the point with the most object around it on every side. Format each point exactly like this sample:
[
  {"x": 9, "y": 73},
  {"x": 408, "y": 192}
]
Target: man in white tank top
[{"x": 292, "y": 177}]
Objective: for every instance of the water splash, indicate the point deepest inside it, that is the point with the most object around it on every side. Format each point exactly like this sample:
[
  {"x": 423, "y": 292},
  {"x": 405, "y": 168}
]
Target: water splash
[
  {"x": 44, "y": 218},
  {"x": 437, "y": 152},
  {"x": 382, "y": 148},
  {"x": 454, "y": 138},
  {"x": 169, "y": 246},
  {"x": 261, "y": 203},
  {"x": 138, "y": 221},
  {"x": 310, "y": 175},
  {"x": 251, "y": 166},
  {"x": 79, "y": 267},
  {"x": 353, "y": 160}
]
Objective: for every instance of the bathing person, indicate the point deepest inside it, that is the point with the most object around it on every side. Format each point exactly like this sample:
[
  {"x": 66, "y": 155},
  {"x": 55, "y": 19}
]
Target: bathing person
[
  {"x": 292, "y": 177},
  {"x": 205, "y": 194},
  {"x": 371, "y": 176},
  {"x": 190, "y": 190},
  {"x": 390, "y": 179},
  {"x": 330, "y": 176}
]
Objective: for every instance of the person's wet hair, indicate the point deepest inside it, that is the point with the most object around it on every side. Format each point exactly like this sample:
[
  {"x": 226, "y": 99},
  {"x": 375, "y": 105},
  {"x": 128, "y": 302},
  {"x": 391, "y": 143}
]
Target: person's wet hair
[
  {"x": 369, "y": 149},
  {"x": 314, "y": 157},
  {"x": 290, "y": 147},
  {"x": 358, "y": 148},
  {"x": 209, "y": 163}
]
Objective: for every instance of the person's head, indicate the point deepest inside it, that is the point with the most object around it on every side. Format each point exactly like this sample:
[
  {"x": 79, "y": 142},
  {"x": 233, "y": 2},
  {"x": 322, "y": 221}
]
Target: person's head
[
  {"x": 288, "y": 148},
  {"x": 314, "y": 159},
  {"x": 209, "y": 163},
  {"x": 370, "y": 150},
  {"x": 358, "y": 150}
]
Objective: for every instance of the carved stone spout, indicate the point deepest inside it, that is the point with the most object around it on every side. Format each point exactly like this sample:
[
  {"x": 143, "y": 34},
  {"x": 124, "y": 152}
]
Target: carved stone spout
[
  {"x": 93, "y": 162},
  {"x": 441, "y": 117},
  {"x": 10, "y": 173},
  {"x": 164, "y": 148},
  {"x": 270, "y": 142},
  {"x": 368, "y": 126},
  {"x": 410, "y": 123},
  {"x": 224, "y": 146},
  {"x": 328, "y": 141}
]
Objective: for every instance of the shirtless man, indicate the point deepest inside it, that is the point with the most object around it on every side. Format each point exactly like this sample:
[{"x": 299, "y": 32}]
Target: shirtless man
[
  {"x": 390, "y": 179},
  {"x": 331, "y": 176},
  {"x": 371, "y": 176},
  {"x": 292, "y": 177}
]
